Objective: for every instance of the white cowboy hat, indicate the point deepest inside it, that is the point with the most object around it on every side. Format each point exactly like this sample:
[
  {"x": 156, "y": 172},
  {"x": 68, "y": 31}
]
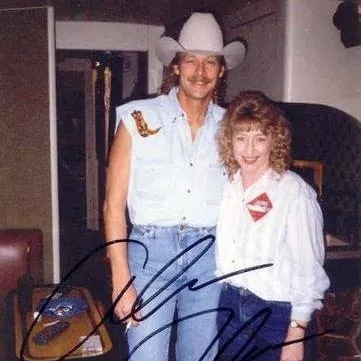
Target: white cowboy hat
[{"x": 200, "y": 34}]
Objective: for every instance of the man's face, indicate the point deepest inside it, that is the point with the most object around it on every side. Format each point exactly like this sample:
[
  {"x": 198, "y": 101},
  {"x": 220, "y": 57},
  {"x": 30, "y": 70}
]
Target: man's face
[{"x": 198, "y": 75}]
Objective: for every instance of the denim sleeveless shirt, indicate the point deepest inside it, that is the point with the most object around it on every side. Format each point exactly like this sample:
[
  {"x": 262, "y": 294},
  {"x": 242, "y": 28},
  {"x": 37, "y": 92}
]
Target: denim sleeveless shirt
[{"x": 173, "y": 180}]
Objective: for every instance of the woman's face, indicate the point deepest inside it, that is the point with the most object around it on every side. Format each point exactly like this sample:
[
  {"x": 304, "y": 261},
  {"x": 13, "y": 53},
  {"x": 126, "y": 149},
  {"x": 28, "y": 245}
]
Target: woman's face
[{"x": 252, "y": 150}]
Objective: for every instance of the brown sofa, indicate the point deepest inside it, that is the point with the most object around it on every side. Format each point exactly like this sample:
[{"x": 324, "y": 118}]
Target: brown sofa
[
  {"x": 341, "y": 316},
  {"x": 20, "y": 255}
]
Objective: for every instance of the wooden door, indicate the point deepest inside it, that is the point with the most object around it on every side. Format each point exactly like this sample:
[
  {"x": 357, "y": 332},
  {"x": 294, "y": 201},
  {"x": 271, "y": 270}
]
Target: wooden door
[{"x": 28, "y": 173}]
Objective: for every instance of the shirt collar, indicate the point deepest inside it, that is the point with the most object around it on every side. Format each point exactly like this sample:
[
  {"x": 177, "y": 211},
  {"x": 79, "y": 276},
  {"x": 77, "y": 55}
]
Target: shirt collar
[
  {"x": 209, "y": 118},
  {"x": 261, "y": 185},
  {"x": 175, "y": 102}
]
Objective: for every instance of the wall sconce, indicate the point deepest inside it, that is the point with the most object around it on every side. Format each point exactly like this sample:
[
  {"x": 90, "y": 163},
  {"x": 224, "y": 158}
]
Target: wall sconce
[{"x": 347, "y": 19}]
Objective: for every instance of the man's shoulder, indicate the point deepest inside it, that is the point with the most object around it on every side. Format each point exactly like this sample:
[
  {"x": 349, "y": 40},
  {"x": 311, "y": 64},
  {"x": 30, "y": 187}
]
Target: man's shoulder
[{"x": 141, "y": 104}]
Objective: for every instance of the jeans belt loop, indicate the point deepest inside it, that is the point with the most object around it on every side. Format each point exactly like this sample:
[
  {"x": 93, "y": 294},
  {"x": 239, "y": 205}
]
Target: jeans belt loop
[
  {"x": 244, "y": 291},
  {"x": 182, "y": 227}
]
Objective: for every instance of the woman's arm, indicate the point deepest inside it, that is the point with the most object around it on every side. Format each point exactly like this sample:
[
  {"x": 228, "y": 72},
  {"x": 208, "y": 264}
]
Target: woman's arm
[
  {"x": 309, "y": 280},
  {"x": 306, "y": 251},
  {"x": 115, "y": 220}
]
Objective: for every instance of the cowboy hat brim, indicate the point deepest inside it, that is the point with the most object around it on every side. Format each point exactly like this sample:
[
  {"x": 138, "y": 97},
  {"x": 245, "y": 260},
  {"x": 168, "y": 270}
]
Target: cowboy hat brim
[{"x": 167, "y": 48}]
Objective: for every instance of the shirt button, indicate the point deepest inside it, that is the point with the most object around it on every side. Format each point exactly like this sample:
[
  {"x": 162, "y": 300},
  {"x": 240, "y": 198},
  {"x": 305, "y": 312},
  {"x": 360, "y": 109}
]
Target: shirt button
[{"x": 191, "y": 164}]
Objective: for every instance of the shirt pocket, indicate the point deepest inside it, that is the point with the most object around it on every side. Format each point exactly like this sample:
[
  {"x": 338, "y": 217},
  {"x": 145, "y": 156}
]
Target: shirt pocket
[
  {"x": 152, "y": 179},
  {"x": 153, "y": 148},
  {"x": 215, "y": 179}
]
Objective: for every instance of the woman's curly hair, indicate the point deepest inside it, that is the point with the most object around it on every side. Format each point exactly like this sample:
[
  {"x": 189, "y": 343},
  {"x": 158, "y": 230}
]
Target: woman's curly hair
[
  {"x": 253, "y": 110},
  {"x": 171, "y": 79}
]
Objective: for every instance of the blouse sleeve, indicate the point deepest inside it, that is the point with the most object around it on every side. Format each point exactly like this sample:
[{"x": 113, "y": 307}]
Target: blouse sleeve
[{"x": 305, "y": 236}]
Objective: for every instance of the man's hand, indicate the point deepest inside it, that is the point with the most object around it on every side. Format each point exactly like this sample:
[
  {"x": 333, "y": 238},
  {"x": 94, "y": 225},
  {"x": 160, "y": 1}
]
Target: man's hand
[{"x": 123, "y": 308}]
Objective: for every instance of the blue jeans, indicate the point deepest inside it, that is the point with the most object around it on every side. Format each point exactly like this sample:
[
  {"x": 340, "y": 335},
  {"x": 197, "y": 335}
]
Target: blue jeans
[
  {"x": 163, "y": 284},
  {"x": 256, "y": 323}
]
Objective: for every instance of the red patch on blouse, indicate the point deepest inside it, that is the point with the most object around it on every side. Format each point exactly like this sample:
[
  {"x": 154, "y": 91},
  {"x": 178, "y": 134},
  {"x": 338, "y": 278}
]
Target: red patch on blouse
[{"x": 259, "y": 206}]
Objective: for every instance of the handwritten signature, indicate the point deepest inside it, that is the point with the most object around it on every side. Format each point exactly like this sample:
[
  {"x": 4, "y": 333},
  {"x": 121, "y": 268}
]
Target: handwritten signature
[{"x": 192, "y": 285}]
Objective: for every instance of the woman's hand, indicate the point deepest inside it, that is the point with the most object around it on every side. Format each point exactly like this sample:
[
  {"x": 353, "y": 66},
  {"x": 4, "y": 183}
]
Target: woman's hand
[{"x": 294, "y": 351}]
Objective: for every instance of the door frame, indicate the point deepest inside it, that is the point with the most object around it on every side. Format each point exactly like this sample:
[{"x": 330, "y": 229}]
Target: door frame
[{"x": 93, "y": 35}]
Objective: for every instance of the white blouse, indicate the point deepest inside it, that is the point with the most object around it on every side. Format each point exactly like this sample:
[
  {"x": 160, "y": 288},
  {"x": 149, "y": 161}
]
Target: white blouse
[{"x": 275, "y": 221}]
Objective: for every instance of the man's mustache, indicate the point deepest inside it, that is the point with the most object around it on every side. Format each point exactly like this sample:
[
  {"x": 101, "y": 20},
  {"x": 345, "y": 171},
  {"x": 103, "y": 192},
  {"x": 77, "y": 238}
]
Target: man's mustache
[{"x": 202, "y": 79}]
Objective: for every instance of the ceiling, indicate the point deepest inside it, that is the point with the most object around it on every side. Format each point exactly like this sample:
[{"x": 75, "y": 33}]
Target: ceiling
[
  {"x": 155, "y": 12},
  {"x": 158, "y": 12}
]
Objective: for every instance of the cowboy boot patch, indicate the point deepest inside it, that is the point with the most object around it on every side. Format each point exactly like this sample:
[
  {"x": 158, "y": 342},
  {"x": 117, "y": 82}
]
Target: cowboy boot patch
[
  {"x": 142, "y": 125},
  {"x": 259, "y": 206}
]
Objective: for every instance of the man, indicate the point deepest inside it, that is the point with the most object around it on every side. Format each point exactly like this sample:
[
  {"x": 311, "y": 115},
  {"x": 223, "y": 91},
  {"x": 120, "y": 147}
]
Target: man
[{"x": 164, "y": 167}]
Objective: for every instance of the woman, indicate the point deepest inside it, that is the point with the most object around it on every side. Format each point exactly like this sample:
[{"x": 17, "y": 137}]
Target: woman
[{"x": 269, "y": 217}]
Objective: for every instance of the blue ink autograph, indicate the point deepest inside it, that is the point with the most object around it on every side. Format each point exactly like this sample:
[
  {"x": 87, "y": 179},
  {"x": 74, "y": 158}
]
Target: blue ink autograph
[{"x": 192, "y": 285}]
